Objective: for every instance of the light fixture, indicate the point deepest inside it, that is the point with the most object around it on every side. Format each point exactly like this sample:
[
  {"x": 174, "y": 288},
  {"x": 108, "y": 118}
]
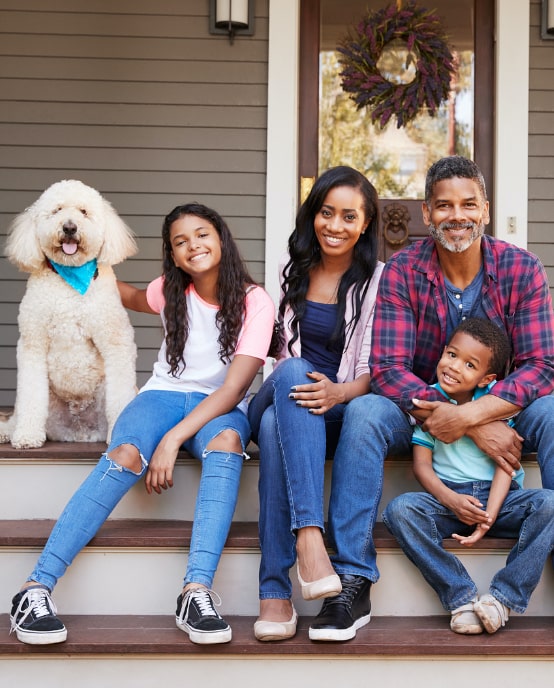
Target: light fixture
[
  {"x": 232, "y": 17},
  {"x": 547, "y": 20}
]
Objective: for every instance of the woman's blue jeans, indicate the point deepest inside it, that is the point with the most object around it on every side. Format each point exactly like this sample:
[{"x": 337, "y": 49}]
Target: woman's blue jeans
[
  {"x": 293, "y": 446},
  {"x": 143, "y": 423},
  {"x": 420, "y": 522}
]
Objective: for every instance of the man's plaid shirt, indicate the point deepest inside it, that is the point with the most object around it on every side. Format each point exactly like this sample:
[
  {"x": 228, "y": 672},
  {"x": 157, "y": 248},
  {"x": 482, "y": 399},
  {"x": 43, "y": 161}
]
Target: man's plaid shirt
[{"x": 409, "y": 328}]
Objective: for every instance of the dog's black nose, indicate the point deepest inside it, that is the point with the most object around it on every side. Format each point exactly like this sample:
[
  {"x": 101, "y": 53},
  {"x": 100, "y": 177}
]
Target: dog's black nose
[{"x": 69, "y": 228}]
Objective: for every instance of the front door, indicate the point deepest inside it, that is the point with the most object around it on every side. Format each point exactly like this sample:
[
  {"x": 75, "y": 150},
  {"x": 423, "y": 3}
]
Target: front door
[{"x": 333, "y": 132}]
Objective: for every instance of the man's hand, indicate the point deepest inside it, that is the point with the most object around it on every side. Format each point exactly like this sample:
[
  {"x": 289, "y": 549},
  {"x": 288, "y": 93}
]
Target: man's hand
[
  {"x": 445, "y": 421},
  {"x": 501, "y": 442}
]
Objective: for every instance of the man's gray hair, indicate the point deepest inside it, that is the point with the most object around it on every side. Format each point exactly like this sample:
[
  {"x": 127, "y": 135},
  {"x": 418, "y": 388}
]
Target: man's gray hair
[{"x": 453, "y": 166}]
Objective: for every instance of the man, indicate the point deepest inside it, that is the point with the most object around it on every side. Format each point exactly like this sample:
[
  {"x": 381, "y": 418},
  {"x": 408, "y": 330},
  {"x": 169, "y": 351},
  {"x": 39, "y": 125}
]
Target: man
[{"x": 425, "y": 291}]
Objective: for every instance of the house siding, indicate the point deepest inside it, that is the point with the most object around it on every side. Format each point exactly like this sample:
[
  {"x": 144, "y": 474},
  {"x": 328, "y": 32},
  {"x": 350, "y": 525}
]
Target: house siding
[
  {"x": 541, "y": 144},
  {"x": 138, "y": 100}
]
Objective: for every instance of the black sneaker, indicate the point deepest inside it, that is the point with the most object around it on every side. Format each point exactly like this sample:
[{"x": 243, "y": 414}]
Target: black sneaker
[
  {"x": 33, "y": 618},
  {"x": 341, "y": 616},
  {"x": 196, "y": 615}
]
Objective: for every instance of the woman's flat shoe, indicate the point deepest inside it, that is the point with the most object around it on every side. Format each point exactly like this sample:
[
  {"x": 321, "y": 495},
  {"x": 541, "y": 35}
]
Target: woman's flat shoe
[
  {"x": 323, "y": 587},
  {"x": 276, "y": 630}
]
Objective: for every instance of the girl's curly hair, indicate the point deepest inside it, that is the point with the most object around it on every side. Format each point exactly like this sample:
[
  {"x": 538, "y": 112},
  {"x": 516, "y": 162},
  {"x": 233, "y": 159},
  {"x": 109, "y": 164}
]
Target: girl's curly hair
[
  {"x": 232, "y": 285},
  {"x": 305, "y": 254}
]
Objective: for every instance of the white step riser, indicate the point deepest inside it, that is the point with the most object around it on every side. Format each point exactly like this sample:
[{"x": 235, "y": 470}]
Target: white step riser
[
  {"x": 48, "y": 487},
  {"x": 133, "y": 581},
  {"x": 312, "y": 672}
]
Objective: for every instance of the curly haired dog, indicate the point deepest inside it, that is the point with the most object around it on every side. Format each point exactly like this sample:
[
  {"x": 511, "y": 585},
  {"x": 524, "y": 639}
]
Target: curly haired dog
[{"x": 76, "y": 353}]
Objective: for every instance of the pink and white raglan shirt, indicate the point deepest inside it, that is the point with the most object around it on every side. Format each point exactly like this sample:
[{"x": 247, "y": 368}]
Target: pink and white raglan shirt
[{"x": 204, "y": 371}]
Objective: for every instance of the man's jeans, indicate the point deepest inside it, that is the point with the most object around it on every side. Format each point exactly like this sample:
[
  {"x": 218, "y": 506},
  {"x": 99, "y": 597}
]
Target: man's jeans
[
  {"x": 372, "y": 428},
  {"x": 293, "y": 445},
  {"x": 420, "y": 522}
]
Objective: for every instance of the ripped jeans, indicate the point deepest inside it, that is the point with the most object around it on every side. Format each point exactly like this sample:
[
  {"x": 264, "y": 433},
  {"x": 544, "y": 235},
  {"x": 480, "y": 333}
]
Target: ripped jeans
[{"x": 143, "y": 423}]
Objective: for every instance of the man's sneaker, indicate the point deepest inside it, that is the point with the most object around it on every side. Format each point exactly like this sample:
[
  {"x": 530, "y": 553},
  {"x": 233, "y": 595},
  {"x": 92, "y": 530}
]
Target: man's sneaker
[
  {"x": 464, "y": 620},
  {"x": 341, "y": 616},
  {"x": 33, "y": 618},
  {"x": 492, "y": 613},
  {"x": 196, "y": 615}
]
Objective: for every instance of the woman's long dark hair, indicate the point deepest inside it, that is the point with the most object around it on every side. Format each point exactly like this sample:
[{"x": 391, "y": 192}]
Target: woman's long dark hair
[
  {"x": 232, "y": 284},
  {"x": 305, "y": 254}
]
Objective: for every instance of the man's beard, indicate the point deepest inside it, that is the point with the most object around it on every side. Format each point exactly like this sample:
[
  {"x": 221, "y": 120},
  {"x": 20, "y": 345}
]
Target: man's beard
[{"x": 456, "y": 244}]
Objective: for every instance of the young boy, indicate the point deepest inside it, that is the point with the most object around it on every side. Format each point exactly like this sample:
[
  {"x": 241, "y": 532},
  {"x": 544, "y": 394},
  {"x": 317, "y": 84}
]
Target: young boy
[{"x": 465, "y": 492}]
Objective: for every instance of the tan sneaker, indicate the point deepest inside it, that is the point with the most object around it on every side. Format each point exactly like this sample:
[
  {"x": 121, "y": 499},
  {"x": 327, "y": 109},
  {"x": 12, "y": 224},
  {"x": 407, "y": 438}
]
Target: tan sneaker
[
  {"x": 465, "y": 621},
  {"x": 492, "y": 613}
]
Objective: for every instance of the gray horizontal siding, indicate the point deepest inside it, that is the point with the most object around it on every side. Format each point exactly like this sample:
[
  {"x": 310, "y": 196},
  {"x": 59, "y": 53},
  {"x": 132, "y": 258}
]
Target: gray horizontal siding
[
  {"x": 541, "y": 145},
  {"x": 136, "y": 99}
]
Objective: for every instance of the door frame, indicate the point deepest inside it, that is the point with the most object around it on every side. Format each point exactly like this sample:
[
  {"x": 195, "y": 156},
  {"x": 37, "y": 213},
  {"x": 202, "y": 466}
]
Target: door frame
[{"x": 510, "y": 126}]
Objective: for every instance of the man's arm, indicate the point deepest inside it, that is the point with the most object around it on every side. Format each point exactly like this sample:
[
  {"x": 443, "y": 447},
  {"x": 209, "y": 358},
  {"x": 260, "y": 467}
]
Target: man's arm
[
  {"x": 529, "y": 322},
  {"x": 482, "y": 421},
  {"x": 401, "y": 339}
]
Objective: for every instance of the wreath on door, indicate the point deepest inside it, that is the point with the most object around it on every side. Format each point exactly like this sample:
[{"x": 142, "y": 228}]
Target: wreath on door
[{"x": 425, "y": 40}]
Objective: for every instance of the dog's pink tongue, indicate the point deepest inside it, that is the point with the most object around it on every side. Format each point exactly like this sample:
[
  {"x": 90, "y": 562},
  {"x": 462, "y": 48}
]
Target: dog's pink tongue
[{"x": 69, "y": 248}]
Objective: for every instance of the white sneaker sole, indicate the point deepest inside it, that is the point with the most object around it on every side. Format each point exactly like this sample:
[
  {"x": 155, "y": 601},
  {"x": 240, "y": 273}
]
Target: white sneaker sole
[
  {"x": 338, "y": 634},
  {"x": 41, "y": 638},
  {"x": 206, "y": 637}
]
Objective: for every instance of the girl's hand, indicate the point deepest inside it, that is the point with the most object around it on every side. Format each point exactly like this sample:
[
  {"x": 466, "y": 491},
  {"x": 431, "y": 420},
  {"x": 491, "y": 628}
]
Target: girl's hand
[
  {"x": 318, "y": 397},
  {"x": 469, "y": 540},
  {"x": 159, "y": 475}
]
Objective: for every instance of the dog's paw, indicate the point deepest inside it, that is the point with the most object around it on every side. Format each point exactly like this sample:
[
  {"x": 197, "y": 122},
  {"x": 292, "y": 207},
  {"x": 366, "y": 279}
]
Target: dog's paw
[
  {"x": 20, "y": 441},
  {"x": 6, "y": 427}
]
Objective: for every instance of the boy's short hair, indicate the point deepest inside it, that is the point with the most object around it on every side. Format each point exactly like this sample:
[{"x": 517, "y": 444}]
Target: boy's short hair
[{"x": 491, "y": 336}]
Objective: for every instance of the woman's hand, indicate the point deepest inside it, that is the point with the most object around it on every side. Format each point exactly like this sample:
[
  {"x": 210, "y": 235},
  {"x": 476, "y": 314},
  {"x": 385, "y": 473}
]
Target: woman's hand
[
  {"x": 159, "y": 475},
  {"x": 319, "y": 396}
]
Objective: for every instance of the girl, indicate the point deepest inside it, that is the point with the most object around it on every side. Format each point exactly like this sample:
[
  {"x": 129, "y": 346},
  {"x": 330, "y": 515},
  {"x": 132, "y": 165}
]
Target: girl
[
  {"x": 218, "y": 326},
  {"x": 328, "y": 294}
]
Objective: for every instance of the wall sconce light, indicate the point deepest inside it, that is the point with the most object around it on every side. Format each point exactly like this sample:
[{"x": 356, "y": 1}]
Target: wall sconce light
[
  {"x": 547, "y": 20},
  {"x": 232, "y": 17}
]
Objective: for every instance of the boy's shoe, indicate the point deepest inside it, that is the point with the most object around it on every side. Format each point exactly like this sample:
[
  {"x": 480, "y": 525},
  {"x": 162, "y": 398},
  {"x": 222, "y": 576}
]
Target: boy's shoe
[
  {"x": 341, "y": 616},
  {"x": 464, "y": 620},
  {"x": 196, "y": 615},
  {"x": 492, "y": 613},
  {"x": 33, "y": 618}
]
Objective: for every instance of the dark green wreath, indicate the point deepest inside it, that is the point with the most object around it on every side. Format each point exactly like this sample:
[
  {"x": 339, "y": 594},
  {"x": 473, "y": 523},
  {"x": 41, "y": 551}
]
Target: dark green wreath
[{"x": 424, "y": 36}]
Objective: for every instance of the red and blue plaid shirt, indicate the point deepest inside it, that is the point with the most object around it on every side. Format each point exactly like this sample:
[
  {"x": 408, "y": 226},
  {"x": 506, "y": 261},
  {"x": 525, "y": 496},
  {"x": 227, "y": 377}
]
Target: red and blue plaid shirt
[{"x": 409, "y": 328}]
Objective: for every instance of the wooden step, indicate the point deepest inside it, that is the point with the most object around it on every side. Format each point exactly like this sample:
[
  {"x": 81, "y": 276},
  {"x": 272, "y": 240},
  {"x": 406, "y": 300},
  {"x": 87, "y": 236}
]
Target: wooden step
[
  {"x": 406, "y": 636},
  {"x": 154, "y": 534}
]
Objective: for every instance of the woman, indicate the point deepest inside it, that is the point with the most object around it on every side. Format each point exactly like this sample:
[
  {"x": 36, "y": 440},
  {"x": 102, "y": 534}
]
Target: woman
[{"x": 329, "y": 285}]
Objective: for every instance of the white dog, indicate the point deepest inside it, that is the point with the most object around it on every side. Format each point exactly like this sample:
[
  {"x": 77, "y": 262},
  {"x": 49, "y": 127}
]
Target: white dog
[{"x": 76, "y": 353}]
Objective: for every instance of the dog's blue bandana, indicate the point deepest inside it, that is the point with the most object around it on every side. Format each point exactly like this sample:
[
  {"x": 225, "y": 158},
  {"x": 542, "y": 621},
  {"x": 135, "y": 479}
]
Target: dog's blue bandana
[{"x": 77, "y": 277}]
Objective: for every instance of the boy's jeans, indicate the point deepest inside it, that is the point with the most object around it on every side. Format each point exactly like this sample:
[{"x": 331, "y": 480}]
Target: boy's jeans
[{"x": 420, "y": 522}]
